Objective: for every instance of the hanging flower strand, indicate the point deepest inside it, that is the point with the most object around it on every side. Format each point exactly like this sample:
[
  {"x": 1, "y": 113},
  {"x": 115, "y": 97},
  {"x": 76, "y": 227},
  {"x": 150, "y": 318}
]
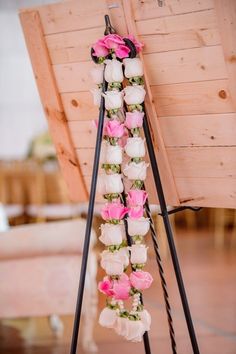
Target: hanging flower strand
[{"x": 117, "y": 285}]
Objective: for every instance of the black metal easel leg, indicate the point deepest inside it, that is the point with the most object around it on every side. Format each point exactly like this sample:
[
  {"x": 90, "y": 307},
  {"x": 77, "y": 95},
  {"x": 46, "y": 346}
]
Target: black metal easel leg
[
  {"x": 165, "y": 216},
  {"x": 75, "y": 333}
]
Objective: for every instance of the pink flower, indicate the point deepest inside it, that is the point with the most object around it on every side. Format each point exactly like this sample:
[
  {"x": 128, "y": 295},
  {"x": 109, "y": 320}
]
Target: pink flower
[
  {"x": 137, "y": 197},
  {"x": 134, "y": 120},
  {"x": 112, "y": 41},
  {"x": 136, "y": 212},
  {"x": 138, "y": 45},
  {"x": 113, "y": 211},
  {"x": 122, "y": 51},
  {"x": 121, "y": 288},
  {"x": 105, "y": 286},
  {"x": 141, "y": 280},
  {"x": 114, "y": 129},
  {"x": 100, "y": 50}
]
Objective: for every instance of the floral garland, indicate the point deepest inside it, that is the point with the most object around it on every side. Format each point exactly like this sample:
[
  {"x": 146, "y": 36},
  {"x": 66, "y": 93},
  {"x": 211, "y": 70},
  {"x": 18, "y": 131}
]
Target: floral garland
[{"x": 122, "y": 132}]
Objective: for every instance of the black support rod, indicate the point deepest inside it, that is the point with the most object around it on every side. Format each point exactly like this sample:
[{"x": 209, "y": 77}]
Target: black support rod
[
  {"x": 76, "y": 326},
  {"x": 169, "y": 234}
]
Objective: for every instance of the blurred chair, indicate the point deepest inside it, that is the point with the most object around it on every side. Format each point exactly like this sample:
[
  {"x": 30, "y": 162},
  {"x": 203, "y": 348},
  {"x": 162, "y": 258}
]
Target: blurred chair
[
  {"x": 221, "y": 219},
  {"x": 39, "y": 273}
]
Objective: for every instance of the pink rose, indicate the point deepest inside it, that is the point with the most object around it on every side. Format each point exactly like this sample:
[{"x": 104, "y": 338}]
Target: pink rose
[
  {"x": 114, "y": 129},
  {"x": 100, "y": 50},
  {"x": 136, "y": 212},
  {"x": 141, "y": 280},
  {"x": 138, "y": 45},
  {"x": 105, "y": 286},
  {"x": 112, "y": 41},
  {"x": 121, "y": 288},
  {"x": 134, "y": 119},
  {"x": 113, "y": 211},
  {"x": 137, "y": 197},
  {"x": 122, "y": 51}
]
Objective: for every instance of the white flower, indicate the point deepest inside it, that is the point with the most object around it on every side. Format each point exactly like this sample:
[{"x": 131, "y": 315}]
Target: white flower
[
  {"x": 123, "y": 253},
  {"x": 103, "y": 151},
  {"x": 112, "y": 263},
  {"x": 135, "y": 331},
  {"x": 113, "y": 71},
  {"x": 97, "y": 94},
  {"x": 135, "y": 170},
  {"x": 138, "y": 226},
  {"x": 121, "y": 325},
  {"x": 133, "y": 67},
  {"x": 110, "y": 184},
  {"x": 146, "y": 319},
  {"x": 134, "y": 94},
  {"x": 138, "y": 254},
  {"x": 113, "y": 99},
  {"x": 108, "y": 318},
  {"x": 113, "y": 154},
  {"x": 97, "y": 74},
  {"x": 135, "y": 147},
  {"x": 112, "y": 234}
]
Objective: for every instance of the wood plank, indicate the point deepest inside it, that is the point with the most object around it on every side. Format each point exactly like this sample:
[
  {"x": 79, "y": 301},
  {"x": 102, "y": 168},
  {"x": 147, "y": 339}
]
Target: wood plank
[
  {"x": 52, "y": 104},
  {"x": 205, "y": 192},
  {"x": 83, "y": 134},
  {"x": 198, "y": 64},
  {"x": 196, "y": 29},
  {"x": 193, "y": 98},
  {"x": 226, "y": 15},
  {"x": 154, "y": 123},
  {"x": 199, "y": 130},
  {"x": 79, "y": 106},
  {"x": 210, "y": 162},
  {"x": 150, "y": 9},
  {"x": 76, "y": 15},
  {"x": 67, "y": 47}
]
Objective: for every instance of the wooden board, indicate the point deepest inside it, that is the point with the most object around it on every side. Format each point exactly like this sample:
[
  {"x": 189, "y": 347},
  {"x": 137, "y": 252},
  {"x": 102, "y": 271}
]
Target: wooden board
[{"x": 190, "y": 72}]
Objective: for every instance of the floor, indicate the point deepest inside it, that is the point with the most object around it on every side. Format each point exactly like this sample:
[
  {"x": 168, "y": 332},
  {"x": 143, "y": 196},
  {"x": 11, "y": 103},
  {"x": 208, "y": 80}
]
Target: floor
[{"x": 210, "y": 279}]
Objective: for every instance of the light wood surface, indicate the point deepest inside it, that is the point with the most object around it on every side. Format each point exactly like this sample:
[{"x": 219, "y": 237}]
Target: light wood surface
[{"x": 189, "y": 59}]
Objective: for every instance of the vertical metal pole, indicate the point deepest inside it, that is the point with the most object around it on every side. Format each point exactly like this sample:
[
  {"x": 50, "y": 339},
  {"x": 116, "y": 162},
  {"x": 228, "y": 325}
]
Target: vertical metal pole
[
  {"x": 169, "y": 234},
  {"x": 76, "y": 326}
]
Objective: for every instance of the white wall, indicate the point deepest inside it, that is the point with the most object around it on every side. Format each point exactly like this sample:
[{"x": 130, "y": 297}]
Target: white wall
[{"x": 21, "y": 113}]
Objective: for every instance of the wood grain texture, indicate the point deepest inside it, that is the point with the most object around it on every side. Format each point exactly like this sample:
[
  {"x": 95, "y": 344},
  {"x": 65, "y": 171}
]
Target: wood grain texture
[
  {"x": 193, "y": 98},
  {"x": 83, "y": 133},
  {"x": 203, "y": 162},
  {"x": 198, "y": 64},
  {"x": 79, "y": 106},
  {"x": 199, "y": 130},
  {"x": 221, "y": 192},
  {"x": 196, "y": 29},
  {"x": 51, "y": 101},
  {"x": 226, "y": 15},
  {"x": 149, "y": 8}
]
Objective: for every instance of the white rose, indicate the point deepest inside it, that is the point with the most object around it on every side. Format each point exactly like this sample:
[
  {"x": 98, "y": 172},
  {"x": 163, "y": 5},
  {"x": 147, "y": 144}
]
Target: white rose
[
  {"x": 97, "y": 74},
  {"x": 108, "y": 318},
  {"x": 97, "y": 94},
  {"x": 134, "y": 94},
  {"x": 110, "y": 183},
  {"x": 121, "y": 326},
  {"x": 135, "y": 170},
  {"x": 146, "y": 319},
  {"x": 133, "y": 67},
  {"x": 135, "y": 147},
  {"x": 138, "y": 227},
  {"x": 135, "y": 331},
  {"x": 112, "y": 263},
  {"x": 113, "y": 71},
  {"x": 112, "y": 234},
  {"x": 113, "y": 154},
  {"x": 113, "y": 99},
  {"x": 123, "y": 254},
  {"x": 138, "y": 254}
]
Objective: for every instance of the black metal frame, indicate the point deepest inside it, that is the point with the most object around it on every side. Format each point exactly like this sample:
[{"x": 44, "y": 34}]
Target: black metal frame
[{"x": 165, "y": 215}]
